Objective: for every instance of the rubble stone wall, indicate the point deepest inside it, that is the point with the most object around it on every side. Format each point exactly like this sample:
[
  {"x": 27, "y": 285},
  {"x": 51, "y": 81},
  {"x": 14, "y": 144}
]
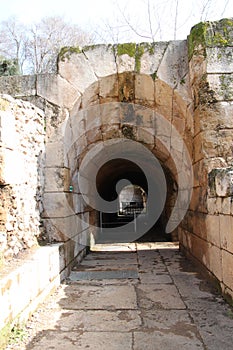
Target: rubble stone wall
[{"x": 21, "y": 175}]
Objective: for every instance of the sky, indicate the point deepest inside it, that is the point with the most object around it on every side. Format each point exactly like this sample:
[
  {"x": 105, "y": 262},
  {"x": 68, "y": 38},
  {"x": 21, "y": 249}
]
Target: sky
[{"x": 110, "y": 16}]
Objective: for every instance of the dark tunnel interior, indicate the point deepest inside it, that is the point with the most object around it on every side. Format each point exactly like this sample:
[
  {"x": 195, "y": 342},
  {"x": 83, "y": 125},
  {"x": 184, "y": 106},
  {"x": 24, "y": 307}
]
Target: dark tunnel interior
[{"x": 110, "y": 175}]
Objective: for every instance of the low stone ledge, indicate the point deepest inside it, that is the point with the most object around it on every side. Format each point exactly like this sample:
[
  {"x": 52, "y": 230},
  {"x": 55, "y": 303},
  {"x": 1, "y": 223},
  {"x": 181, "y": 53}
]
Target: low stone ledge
[{"x": 29, "y": 280}]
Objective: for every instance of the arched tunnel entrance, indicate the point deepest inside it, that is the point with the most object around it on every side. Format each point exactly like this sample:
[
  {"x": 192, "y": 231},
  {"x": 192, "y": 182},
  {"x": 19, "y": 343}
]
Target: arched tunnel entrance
[
  {"x": 111, "y": 145},
  {"x": 124, "y": 181}
]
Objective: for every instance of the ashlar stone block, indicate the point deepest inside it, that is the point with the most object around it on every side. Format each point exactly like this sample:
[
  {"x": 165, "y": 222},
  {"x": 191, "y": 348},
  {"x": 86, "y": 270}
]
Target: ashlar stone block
[
  {"x": 221, "y": 182},
  {"x": 102, "y": 59},
  {"x": 76, "y": 69},
  {"x": 174, "y": 65},
  {"x": 57, "y": 90}
]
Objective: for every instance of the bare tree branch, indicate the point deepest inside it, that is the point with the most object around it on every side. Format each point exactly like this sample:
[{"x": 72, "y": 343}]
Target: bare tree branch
[
  {"x": 225, "y": 7},
  {"x": 149, "y": 19},
  {"x": 175, "y": 20}
]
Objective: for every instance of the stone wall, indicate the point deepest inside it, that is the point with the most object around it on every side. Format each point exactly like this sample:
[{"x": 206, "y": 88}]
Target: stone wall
[
  {"x": 207, "y": 231},
  {"x": 28, "y": 271},
  {"x": 22, "y": 155}
]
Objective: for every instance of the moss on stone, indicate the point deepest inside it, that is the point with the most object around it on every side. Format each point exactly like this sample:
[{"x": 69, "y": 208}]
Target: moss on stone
[
  {"x": 138, "y": 56},
  {"x": 132, "y": 50},
  {"x": 150, "y": 48},
  {"x": 220, "y": 33},
  {"x": 154, "y": 76},
  {"x": 126, "y": 49},
  {"x": 210, "y": 34},
  {"x": 5, "y": 334},
  {"x": 67, "y": 51},
  {"x": 196, "y": 38},
  {"x": 182, "y": 81},
  {"x": 226, "y": 86},
  {"x": 136, "y": 51},
  {"x": 206, "y": 96}
]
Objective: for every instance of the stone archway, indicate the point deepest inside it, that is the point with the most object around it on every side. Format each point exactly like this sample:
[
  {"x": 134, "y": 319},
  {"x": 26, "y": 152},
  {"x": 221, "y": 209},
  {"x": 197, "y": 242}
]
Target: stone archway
[
  {"x": 96, "y": 120},
  {"x": 184, "y": 89}
]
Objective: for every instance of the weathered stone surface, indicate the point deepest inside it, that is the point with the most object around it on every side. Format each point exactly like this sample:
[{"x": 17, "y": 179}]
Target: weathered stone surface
[
  {"x": 219, "y": 59},
  {"x": 226, "y": 229},
  {"x": 102, "y": 59},
  {"x": 227, "y": 261},
  {"x": 222, "y": 84},
  {"x": 8, "y": 135},
  {"x": 154, "y": 296},
  {"x": 110, "y": 297},
  {"x": 75, "y": 68},
  {"x": 18, "y": 86},
  {"x": 163, "y": 99},
  {"x": 144, "y": 88},
  {"x": 165, "y": 340},
  {"x": 64, "y": 95},
  {"x": 40, "y": 266},
  {"x": 204, "y": 321},
  {"x": 213, "y": 229},
  {"x": 57, "y": 179},
  {"x": 148, "y": 277},
  {"x": 109, "y": 86},
  {"x": 90, "y": 340},
  {"x": 221, "y": 182},
  {"x": 151, "y": 57},
  {"x": 91, "y": 96},
  {"x": 21, "y": 173},
  {"x": 174, "y": 64},
  {"x": 55, "y": 155},
  {"x": 125, "y": 63}
]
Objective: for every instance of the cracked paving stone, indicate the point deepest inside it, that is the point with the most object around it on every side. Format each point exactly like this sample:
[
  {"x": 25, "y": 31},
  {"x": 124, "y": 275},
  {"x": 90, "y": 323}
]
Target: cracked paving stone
[
  {"x": 167, "y": 340},
  {"x": 83, "y": 340},
  {"x": 99, "y": 297},
  {"x": 159, "y": 296},
  {"x": 169, "y": 307},
  {"x": 91, "y": 320}
]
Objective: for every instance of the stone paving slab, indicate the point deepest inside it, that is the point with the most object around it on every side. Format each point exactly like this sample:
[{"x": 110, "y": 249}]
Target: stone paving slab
[
  {"x": 159, "y": 296},
  {"x": 168, "y": 340},
  {"x": 153, "y": 268},
  {"x": 99, "y": 297},
  {"x": 103, "y": 274},
  {"x": 189, "y": 286},
  {"x": 104, "y": 282},
  {"x": 110, "y": 262},
  {"x": 116, "y": 256},
  {"x": 106, "y": 267},
  {"x": 158, "y": 278},
  {"x": 83, "y": 340},
  {"x": 167, "y": 319},
  {"x": 89, "y": 320},
  {"x": 215, "y": 325},
  {"x": 181, "y": 267},
  {"x": 170, "y": 306}
]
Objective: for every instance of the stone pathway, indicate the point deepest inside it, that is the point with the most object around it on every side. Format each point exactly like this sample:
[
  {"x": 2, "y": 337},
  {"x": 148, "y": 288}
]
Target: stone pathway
[{"x": 165, "y": 305}]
